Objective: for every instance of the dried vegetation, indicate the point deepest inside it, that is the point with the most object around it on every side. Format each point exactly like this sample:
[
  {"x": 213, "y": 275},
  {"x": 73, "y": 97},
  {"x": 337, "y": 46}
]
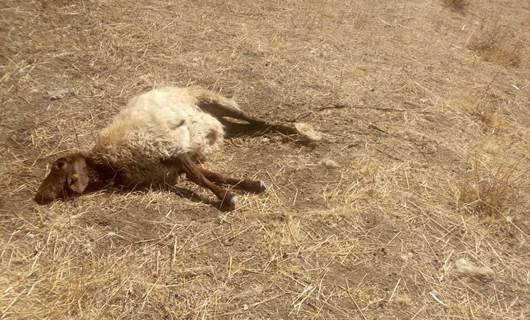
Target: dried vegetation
[
  {"x": 499, "y": 44},
  {"x": 490, "y": 193},
  {"x": 413, "y": 206}
]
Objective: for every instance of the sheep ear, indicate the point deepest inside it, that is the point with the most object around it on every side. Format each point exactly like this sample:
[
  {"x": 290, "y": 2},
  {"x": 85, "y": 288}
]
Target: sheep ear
[{"x": 77, "y": 178}]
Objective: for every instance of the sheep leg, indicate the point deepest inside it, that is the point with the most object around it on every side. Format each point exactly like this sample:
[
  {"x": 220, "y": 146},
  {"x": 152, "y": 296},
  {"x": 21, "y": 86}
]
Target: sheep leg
[
  {"x": 243, "y": 184},
  {"x": 194, "y": 174},
  {"x": 220, "y": 107},
  {"x": 254, "y": 124},
  {"x": 234, "y": 129}
]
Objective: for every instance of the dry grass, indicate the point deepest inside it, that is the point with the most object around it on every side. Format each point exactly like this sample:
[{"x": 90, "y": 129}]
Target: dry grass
[
  {"x": 486, "y": 107},
  {"x": 499, "y": 44},
  {"x": 422, "y": 125},
  {"x": 490, "y": 193}
]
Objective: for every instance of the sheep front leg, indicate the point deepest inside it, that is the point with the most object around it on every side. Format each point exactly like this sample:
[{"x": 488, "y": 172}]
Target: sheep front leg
[
  {"x": 255, "y": 186},
  {"x": 194, "y": 174}
]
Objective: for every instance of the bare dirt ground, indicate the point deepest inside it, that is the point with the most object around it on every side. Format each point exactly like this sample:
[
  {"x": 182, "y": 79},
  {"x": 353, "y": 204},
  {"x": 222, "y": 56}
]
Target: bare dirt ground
[{"x": 425, "y": 107}]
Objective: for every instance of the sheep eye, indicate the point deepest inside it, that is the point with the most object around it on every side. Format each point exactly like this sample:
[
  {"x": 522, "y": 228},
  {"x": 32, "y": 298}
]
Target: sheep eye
[{"x": 60, "y": 164}]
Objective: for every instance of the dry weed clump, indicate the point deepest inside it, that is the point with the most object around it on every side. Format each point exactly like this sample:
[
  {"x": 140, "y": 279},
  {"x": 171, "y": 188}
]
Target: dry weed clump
[
  {"x": 485, "y": 106},
  {"x": 488, "y": 193},
  {"x": 488, "y": 115},
  {"x": 498, "y": 44},
  {"x": 456, "y": 5}
]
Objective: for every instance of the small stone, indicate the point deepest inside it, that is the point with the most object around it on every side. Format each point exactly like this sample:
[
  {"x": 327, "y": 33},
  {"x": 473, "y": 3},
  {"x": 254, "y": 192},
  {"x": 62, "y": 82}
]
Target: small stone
[
  {"x": 307, "y": 131},
  {"x": 463, "y": 266},
  {"x": 330, "y": 164},
  {"x": 29, "y": 236},
  {"x": 57, "y": 94},
  {"x": 253, "y": 291}
]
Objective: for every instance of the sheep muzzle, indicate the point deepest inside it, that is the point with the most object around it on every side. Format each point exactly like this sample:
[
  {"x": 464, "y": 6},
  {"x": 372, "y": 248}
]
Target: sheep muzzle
[
  {"x": 52, "y": 188},
  {"x": 68, "y": 175}
]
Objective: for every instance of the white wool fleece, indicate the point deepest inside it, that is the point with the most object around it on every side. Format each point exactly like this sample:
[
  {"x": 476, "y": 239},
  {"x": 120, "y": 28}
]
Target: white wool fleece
[{"x": 155, "y": 125}]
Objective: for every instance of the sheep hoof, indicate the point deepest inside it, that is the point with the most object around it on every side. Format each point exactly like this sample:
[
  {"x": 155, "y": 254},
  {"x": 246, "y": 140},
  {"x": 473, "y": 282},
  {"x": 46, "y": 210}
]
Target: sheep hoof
[
  {"x": 230, "y": 204},
  {"x": 262, "y": 186}
]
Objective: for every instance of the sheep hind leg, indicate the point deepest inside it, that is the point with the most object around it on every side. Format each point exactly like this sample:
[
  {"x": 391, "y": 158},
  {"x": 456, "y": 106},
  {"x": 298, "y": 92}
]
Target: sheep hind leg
[
  {"x": 254, "y": 186},
  {"x": 216, "y": 104},
  {"x": 194, "y": 174},
  {"x": 221, "y": 107}
]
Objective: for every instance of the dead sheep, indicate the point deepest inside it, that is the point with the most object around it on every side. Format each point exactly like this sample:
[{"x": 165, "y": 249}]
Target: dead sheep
[{"x": 157, "y": 137}]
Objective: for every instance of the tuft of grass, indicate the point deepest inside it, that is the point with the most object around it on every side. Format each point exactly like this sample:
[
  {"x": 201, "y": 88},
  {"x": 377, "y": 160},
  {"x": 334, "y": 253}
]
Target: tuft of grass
[
  {"x": 485, "y": 108},
  {"x": 498, "y": 44},
  {"x": 488, "y": 115},
  {"x": 489, "y": 194},
  {"x": 456, "y": 5}
]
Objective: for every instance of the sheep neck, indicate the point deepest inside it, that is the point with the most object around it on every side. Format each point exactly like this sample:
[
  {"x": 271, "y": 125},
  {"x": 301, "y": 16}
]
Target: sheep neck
[{"x": 101, "y": 173}]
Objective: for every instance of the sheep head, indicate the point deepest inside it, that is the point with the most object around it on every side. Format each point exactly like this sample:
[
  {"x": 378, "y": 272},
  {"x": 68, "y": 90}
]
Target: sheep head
[{"x": 68, "y": 176}]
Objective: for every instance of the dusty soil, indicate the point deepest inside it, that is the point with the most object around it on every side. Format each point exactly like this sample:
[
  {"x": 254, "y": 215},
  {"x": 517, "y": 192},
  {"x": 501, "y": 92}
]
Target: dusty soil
[{"x": 424, "y": 105}]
